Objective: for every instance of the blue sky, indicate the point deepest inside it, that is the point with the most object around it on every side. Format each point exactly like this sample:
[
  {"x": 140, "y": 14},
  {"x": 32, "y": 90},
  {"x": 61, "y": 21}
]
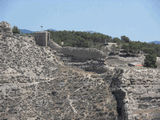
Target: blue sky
[{"x": 137, "y": 19}]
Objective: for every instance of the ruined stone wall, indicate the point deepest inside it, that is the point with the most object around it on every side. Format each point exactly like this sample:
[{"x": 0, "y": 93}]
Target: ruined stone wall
[
  {"x": 137, "y": 91},
  {"x": 54, "y": 45},
  {"x": 42, "y": 38},
  {"x": 89, "y": 59},
  {"x": 83, "y": 54}
]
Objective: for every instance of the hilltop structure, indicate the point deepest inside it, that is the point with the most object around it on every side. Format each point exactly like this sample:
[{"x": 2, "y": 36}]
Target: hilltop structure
[{"x": 42, "y": 38}]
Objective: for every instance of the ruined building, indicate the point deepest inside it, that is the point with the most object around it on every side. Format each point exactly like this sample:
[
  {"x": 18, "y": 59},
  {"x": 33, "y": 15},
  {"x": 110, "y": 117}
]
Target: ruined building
[{"x": 42, "y": 38}]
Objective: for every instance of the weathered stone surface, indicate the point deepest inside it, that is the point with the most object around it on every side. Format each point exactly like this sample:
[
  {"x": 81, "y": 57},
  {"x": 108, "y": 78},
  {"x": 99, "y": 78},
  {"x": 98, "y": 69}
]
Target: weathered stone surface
[
  {"x": 5, "y": 28},
  {"x": 158, "y": 62},
  {"x": 137, "y": 93},
  {"x": 88, "y": 59},
  {"x": 83, "y": 54},
  {"x": 136, "y": 89},
  {"x": 54, "y": 46},
  {"x": 36, "y": 85}
]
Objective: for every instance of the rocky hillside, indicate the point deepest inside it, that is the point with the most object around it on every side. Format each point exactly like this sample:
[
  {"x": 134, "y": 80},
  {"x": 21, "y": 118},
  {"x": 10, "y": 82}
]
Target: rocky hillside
[
  {"x": 36, "y": 85},
  {"x": 136, "y": 89},
  {"x": 60, "y": 83}
]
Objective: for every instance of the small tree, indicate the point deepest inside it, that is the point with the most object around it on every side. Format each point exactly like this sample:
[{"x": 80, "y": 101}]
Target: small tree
[
  {"x": 117, "y": 40},
  {"x": 125, "y": 38},
  {"x": 150, "y": 61},
  {"x": 15, "y": 30}
]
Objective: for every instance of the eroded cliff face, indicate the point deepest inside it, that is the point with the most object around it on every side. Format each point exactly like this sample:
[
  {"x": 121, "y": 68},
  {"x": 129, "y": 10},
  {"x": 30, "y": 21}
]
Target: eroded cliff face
[
  {"x": 36, "y": 85},
  {"x": 137, "y": 91}
]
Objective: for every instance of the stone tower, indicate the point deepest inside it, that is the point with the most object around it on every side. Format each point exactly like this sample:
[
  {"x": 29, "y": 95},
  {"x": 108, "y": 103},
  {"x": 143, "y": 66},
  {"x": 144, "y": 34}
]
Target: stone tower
[{"x": 42, "y": 38}]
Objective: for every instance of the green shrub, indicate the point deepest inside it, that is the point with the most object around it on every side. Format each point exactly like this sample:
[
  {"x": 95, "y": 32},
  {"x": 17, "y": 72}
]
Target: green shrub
[
  {"x": 150, "y": 61},
  {"x": 15, "y": 30},
  {"x": 125, "y": 38}
]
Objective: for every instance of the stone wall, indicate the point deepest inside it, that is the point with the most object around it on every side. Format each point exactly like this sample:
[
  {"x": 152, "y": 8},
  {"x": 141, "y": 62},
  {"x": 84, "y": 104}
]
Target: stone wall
[
  {"x": 83, "y": 54},
  {"x": 42, "y": 38},
  {"x": 137, "y": 91},
  {"x": 89, "y": 59},
  {"x": 54, "y": 45}
]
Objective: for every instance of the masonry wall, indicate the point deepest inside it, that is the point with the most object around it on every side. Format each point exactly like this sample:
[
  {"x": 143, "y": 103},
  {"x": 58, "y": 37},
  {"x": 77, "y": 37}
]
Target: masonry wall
[
  {"x": 137, "y": 92},
  {"x": 41, "y": 38},
  {"x": 83, "y": 54},
  {"x": 54, "y": 45}
]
